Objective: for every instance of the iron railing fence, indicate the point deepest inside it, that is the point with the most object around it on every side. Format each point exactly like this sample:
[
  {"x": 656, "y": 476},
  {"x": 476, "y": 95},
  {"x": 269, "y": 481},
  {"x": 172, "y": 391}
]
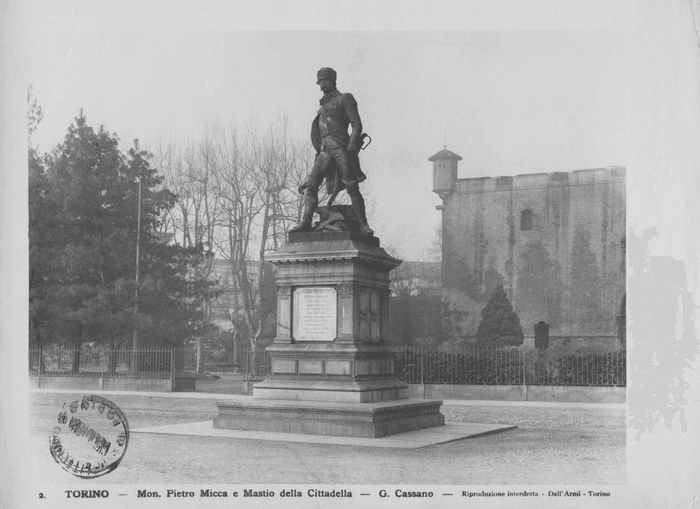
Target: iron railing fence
[
  {"x": 476, "y": 365},
  {"x": 489, "y": 366},
  {"x": 98, "y": 360},
  {"x": 221, "y": 360},
  {"x": 603, "y": 369},
  {"x": 256, "y": 364},
  {"x": 253, "y": 363},
  {"x": 493, "y": 365}
]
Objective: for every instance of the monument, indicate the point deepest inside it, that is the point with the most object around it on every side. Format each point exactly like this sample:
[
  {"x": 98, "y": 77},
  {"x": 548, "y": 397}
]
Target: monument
[{"x": 331, "y": 371}]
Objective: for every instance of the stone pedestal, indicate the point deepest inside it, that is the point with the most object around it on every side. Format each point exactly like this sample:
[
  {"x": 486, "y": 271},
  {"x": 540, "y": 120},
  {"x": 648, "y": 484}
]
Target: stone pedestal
[
  {"x": 364, "y": 420},
  {"x": 331, "y": 372}
]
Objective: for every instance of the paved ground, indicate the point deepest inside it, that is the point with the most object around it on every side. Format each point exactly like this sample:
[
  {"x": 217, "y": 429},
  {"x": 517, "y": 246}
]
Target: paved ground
[
  {"x": 226, "y": 383},
  {"x": 416, "y": 439},
  {"x": 555, "y": 443}
]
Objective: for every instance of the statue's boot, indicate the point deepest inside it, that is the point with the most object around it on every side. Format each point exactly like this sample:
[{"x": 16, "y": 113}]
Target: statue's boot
[
  {"x": 358, "y": 206},
  {"x": 310, "y": 204}
]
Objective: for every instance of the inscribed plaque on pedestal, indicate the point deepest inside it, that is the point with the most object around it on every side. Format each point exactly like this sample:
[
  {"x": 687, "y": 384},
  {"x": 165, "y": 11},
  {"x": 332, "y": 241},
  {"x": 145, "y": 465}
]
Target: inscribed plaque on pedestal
[{"x": 315, "y": 314}]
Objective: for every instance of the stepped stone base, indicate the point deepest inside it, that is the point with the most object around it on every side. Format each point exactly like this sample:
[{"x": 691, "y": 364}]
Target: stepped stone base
[
  {"x": 337, "y": 391},
  {"x": 366, "y": 420}
]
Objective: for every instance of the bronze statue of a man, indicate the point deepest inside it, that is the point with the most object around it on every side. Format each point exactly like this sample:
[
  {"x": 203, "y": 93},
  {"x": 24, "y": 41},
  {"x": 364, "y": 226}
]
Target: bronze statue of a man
[{"x": 337, "y": 152}]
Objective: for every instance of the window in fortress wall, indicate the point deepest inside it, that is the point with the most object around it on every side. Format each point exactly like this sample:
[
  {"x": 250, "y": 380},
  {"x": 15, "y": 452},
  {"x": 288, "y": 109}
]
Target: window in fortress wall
[{"x": 526, "y": 220}]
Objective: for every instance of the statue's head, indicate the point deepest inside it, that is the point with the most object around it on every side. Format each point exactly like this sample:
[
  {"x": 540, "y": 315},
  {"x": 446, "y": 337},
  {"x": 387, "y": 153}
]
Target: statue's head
[{"x": 325, "y": 78}]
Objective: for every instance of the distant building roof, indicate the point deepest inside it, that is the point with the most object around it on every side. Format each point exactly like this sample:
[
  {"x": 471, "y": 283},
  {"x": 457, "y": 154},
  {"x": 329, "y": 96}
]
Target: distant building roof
[{"x": 445, "y": 154}]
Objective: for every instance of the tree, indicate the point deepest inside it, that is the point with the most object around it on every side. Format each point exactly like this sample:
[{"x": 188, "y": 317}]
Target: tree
[
  {"x": 586, "y": 282},
  {"x": 236, "y": 193},
  {"x": 42, "y": 232},
  {"x": 34, "y": 115},
  {"x": 83, "y": 217},
  {"x": 189, "y": 172},
  {"x": 255, "y": 186},
  {"x": 499, "y": 324},
  {"x": 424, "y": 319},
  {"x": 418, "y": 313},
  {"x": 538, "y": 289}
]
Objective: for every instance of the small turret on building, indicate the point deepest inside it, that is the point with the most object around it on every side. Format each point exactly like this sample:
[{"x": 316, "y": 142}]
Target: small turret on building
[{"x": 444, "y": 173}]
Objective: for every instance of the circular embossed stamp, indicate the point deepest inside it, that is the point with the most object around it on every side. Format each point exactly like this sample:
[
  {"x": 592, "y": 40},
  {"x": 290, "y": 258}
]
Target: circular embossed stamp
[{"x": 90, "y": 437}]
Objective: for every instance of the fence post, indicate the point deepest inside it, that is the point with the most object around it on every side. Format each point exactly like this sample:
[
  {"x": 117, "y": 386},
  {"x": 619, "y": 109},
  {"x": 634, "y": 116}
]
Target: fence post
[
  {"x": 172, "y": 365},
  {"x": 422, "y": 368},
  {"x": 41, "y": 364},
  {"x": 525, "y": 370},
  {"x": 103, "y": 374}
]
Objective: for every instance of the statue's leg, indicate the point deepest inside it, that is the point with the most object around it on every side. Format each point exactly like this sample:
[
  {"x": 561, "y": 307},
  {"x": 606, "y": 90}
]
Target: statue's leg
[
  {"x": 311, "y": 194},
  {"x": 349, "y": 177},
  {"x": 358, "y": 205}
]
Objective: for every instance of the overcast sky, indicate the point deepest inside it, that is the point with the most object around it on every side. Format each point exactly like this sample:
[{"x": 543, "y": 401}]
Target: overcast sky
[{"x": 508, "y": 102}]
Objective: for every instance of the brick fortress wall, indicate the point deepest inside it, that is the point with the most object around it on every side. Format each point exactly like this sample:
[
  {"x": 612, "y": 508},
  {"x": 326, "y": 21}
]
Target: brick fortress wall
[{"x": 556, "y": 241}]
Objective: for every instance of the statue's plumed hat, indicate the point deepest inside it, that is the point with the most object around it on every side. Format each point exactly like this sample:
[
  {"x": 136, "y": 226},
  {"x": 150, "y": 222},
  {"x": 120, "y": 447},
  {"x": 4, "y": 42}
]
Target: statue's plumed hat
[{"x": 326, "y": 72}]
